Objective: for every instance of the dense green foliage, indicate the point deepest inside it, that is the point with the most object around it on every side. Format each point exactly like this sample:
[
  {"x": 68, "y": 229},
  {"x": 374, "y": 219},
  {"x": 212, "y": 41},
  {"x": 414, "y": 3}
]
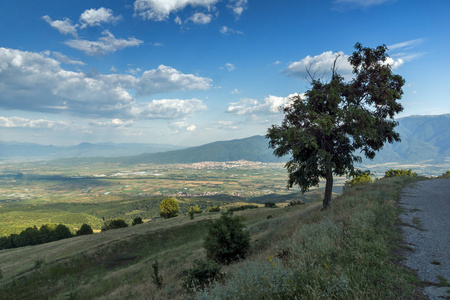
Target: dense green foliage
[
  {"x": 34, "y": 236},
  {"x": 359, "y": 177},
  {"x": 322, "y": 131},
  {"x": 270, "y": 204},
  {"x": 202, "y": 275},
  {"x": 400, "y": 172},
  {"x": 168, "y": 208},
  {"x": 136, "y": 221},
  {"x": 114, "y": 224},
  {"x": 227, "y": 240},
  {"x": 214, "y": 209},
  {"x": 85, "y": 229}
]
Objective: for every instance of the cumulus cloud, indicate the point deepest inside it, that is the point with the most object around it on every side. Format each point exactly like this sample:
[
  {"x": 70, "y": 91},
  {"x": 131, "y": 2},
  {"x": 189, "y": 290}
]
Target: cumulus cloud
[
  {"x": 107, "y": 43},
  {"x": 183, "y": 126},
  {"x": 200, "y": 18},
  {"x": 63, "y": 26},
  {"x": 237, "y": 6},
  {"x": 94, "y": 17},
  {"x": 319, "y": 64},
  {"x": 229, "y": 66},
  {"x": 33, "y": 82},
  {"x": 159, "y": 10},
  {"x": 226, "y": 30},
  {"x": 18, "y": 122},
  {"x": 270, "y": 105}
]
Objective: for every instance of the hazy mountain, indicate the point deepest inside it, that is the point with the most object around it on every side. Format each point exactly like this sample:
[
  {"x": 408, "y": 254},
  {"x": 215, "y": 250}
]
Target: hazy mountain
[
  {"x": 10, "y": 150},
  {"x": 424, "y": 138}
]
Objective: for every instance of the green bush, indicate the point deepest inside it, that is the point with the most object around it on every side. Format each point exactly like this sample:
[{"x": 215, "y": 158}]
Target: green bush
[
  {"x": 446, "y": 174},
  {"x": 399, "y": 172},
  {"x": 242, "y": 207},
  {"x": 114, "y": 224},
  {"x": 195, "y": 209},
  {"x": 85, "y": 229},
  {"x": 214, "y": 209},
  {"x": 168, "y": 208},
  {"x": 137, "y": 220},
  {"x": 359, "y": 177},
  {"x": 270, "y": 204},
  {"x": 202, "y": 275},
  {"x": 227, "y": 240}
]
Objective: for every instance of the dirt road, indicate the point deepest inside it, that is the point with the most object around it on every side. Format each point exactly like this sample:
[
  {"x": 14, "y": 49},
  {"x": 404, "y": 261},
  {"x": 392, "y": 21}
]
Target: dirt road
[{"x": 427, "y": 212}]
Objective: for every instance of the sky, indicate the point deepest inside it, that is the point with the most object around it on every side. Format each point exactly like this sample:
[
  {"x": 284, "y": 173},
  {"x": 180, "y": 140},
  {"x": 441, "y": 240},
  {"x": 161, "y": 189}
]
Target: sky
[{"x": 190, "y": 72}]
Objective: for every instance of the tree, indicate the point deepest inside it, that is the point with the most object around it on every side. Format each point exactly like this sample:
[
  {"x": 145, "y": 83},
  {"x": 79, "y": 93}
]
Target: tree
[
  {"x": 136, "y": 221},
  {"x": 85, "y": 229},
  {"x": 168, "y": 208},
  {"x": 114, "y": 224},
  {"x": 323, "y": 130},
  {"x": 227, "y": 240}
]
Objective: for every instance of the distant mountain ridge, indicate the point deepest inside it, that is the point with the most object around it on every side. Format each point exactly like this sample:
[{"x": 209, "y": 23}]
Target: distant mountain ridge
[
  {"x": 30, "y": 150},
  {"x": 424, "y": 139}
]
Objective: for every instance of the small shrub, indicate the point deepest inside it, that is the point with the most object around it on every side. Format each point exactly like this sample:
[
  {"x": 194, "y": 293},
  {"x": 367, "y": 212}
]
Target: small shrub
[
  {"x": 446, "y": 174},
  {"x": 137, "y": 220},
  {"x": 214, "y": 209},
  {"x": 85, "y": 229},
  {"x": 270, "y": 204},
  {"x": 156, "y": 278},
  {"x": 114, "y": 224},
  {"x": 359, "y": 177},
  {"x": 227, "y": 240},
  {"x": 202, "y": 275},
  {"x": 168, "y": 208},
  {"x": 400, "y": 172}
]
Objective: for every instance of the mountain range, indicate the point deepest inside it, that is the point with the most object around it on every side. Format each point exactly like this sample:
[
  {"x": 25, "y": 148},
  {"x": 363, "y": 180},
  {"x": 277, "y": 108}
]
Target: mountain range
[{"x": 423, "y": 139}]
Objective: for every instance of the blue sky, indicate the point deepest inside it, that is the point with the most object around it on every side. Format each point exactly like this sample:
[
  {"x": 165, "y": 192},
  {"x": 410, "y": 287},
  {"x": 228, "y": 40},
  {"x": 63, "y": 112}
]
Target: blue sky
[{"x": 189, "y": 72}]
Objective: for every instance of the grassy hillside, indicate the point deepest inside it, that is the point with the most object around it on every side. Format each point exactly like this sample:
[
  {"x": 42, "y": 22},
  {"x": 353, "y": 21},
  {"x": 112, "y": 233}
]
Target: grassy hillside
[{"x": 350, "y": 251}]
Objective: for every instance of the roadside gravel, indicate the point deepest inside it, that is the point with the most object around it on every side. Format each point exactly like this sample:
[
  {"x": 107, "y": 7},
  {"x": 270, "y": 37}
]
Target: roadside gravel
[{"x": 426, "y": 207}]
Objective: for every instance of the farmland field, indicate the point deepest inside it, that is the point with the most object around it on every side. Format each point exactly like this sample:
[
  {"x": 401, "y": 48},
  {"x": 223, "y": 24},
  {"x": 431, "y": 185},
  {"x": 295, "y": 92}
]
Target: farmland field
[{"x": 44, "y": 192}]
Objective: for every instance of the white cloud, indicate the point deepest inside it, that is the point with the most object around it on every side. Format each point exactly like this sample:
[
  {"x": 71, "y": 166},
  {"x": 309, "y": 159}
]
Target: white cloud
[
  {"x": 178, "y": 20},
  {"x": 94, "y": 17},
  {"x": 227, "y": 30},
  {"x": 236, "y": 91},
  {"x": 63, "y": 26},
  {"x": 238, "y": 6},
  {"x": 200, "y": 18},
  {"x": 270, "y": 105},
  {"x": 107, "y": 43},
  {"x": 182, "y": 125},
  {"x": 18, "y": 122},
  {"x": 319, "y": 64},
  {"x": 168, "y": 108},
  {"x": 168, "y": 79},
  {"x": 226, "y": 125},
  {"x": 277, "y": 62},
  {"x": 33, "y": 82},
  {"x": 160, "y": 10},
  {"x": 114, "y": 123},
  {"x": 229, "y": 66}
]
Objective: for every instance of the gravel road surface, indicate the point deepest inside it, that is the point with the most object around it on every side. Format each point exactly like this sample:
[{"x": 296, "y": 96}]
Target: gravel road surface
[{"x": 427, "y": 207}]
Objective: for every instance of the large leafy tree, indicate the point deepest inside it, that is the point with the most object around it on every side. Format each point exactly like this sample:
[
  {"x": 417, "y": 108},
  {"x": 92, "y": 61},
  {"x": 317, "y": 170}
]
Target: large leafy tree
[{"x": 325, "y": 131}]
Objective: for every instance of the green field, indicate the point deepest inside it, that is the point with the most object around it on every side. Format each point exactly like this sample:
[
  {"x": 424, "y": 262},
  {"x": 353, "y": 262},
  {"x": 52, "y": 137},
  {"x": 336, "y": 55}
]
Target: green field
[{"x": 48, "y": 192}]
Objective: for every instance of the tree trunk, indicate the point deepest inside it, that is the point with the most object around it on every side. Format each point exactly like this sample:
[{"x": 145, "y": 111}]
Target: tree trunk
[{"x": 328, "y": 189}]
